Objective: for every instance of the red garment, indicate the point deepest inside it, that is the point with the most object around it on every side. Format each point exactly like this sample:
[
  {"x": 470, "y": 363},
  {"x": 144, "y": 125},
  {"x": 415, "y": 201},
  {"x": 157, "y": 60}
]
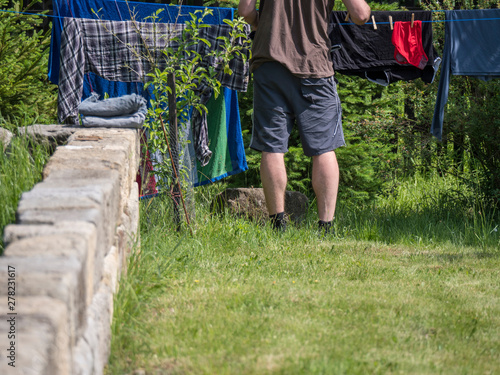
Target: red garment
[
  {"x": 408, "y": 43},
  {"x": 145, "y": 175}
]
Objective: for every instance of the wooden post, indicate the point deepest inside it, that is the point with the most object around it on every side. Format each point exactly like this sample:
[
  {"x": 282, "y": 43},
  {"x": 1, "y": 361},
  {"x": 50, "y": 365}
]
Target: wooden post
[{"x": 174, "y": 144}]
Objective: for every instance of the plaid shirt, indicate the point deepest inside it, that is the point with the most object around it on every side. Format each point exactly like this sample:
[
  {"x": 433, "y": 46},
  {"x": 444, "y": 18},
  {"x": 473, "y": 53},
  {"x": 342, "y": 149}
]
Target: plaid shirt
[{"x": 120, "y": 51}]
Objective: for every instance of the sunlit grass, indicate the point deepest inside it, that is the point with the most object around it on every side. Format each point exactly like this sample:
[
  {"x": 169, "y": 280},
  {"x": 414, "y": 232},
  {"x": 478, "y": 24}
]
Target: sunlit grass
[
  {"x": 21, "y": 167},
  {"x": 388, "y": 294}
]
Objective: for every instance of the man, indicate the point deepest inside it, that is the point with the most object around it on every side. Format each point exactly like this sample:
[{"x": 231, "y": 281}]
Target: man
[{"x": 293, "y": 81}]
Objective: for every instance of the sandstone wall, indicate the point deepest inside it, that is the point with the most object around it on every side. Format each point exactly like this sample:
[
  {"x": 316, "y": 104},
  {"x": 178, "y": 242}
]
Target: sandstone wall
[{"x": 64, "y": 256}]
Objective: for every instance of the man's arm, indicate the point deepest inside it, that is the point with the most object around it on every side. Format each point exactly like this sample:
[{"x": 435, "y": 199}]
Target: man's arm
[
  {"x": 246, "y": 9},
  {"x": 359, "y": 10}
]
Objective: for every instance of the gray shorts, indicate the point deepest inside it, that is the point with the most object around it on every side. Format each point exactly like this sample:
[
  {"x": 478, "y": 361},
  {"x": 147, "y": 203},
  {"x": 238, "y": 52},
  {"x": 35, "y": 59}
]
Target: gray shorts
[{"x": 280, "y": 99}]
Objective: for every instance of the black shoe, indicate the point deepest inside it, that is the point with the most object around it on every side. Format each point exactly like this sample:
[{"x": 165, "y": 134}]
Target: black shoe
[
  {"x": 278, "y": 222},
  {"x": 325, "y": 228}
]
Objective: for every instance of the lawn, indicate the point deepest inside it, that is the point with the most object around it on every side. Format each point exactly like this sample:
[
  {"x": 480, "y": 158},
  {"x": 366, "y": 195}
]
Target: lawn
[{"x": 410, "y": 285}]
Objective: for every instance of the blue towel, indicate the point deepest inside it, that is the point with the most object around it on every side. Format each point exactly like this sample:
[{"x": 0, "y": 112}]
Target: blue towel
[{"x": 471, "y": 48}]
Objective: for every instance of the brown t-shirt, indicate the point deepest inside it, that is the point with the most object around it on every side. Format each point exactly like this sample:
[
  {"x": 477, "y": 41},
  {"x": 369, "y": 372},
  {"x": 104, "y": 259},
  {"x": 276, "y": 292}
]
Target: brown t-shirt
[{"x": 294, "y": 33}]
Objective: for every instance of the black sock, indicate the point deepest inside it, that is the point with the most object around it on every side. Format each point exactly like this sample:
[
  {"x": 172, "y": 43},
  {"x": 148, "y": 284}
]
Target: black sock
[
  {"x": 325, "y": 226},
  {"x": 278, "y": 221}
]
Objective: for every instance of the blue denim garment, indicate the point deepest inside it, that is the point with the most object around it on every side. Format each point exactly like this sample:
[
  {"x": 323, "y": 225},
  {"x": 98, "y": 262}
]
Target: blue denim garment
[{"x": 128, "y": 111}]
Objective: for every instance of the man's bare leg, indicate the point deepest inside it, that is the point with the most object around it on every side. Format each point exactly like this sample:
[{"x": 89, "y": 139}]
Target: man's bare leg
[
  {"x": 274, "y": 179},
  {"x": 325, "y": 181}
]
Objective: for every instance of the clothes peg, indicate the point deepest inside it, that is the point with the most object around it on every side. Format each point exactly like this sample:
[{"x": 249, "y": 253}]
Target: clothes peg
[
  {"x": 347, "y": 17},
  {"x": 412, "y": 19},
  {"x": 390, "y": 21},
  {"x": 374, "y": 24}
]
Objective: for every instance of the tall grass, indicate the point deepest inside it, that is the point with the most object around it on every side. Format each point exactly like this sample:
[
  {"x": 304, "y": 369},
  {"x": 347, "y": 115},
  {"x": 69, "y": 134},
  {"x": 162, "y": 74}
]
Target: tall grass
[
  {"x": 410, "y": 285},
  {"x": 21, "y": 167},
  {"x": 424, "y": 210}
]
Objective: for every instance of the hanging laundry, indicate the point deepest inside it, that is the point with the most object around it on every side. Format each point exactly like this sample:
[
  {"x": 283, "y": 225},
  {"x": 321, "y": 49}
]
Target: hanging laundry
[
  {"x": 407, "y": 40},
  {"x": 369, "y": 53},
  {"x": 108, "y": 49},
  {"x": 471, "y": 48},
  {"x": 120, "y": 10},
  {"x": 225, "y": 161},
  {"x": 103, "y": 47},
  {"x": 225, "y": 141}
]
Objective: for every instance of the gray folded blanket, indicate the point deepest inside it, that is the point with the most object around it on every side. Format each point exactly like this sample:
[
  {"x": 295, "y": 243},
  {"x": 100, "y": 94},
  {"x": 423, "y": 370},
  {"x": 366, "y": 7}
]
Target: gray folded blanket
[{"x": 128, "y": 111}]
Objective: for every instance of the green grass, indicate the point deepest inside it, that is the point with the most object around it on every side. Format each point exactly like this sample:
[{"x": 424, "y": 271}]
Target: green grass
[
  {"x": 407, "y": 286},
  {"x": 21, "y": 168}
]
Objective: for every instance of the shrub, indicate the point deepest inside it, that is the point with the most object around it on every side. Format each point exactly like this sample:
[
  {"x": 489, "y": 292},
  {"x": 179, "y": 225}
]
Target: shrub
[
  {"x": 25, "y": 93},
  {"x": 483, "y": 132}
]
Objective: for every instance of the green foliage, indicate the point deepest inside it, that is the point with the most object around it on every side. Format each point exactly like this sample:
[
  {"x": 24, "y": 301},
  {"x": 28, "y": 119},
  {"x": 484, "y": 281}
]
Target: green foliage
[
  {"x": 483, "y": 133},
  {"x": 222, "y": 3},
  {"x": 21, "y": 168},
  {"x": 299, "y": 170},
  {"x": 368, "y": 112},
  {"x": 25, "y": 93},
  {"x": 182, "y": 63},
  {"x": 358, "y": 179}
]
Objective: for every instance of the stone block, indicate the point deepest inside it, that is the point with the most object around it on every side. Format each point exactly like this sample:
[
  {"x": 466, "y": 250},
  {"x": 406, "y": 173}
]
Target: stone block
[
  {"x": 111, "y": 269},
  {"x": 83, "y": 358},
  {"x": 250, "y": 203},
  {"x": 96, "y": 340},
  {"x": 132, "y": 209},
  {"x": 93, "y": 159},
  {"x": 125, "y": 140},
  {"x": 60, "y": 277},
  {"x": 6, "y": 137},
  {"x": 16, "y": 232},
  {"x": 65, "y": 193},
  {"x": 41, "y": 338},
  {"x": 52, "y": 135},
  {"x": 89, "y": 215},
  {"x": 82, "y": 233},
  {"x": 47, "y": 216}
]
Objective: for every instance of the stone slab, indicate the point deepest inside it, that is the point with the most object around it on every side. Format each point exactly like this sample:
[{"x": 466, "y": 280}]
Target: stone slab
[
  {"x": 41, "y": 338},
  {"x": 5, "y": 138},
  {"x": 250, "y": 203},
  {"x": 61, "y": 247},
  {"x": 96, "y": 341},
  {"x": 64, "y": 191},
  {"x": 83, "y": 235},
  {"x": 53, "y": 135},
  {"x": 59, "y": 278},
  {"x": 97, "y": 159},
  {"x": 127, "y": 139}
]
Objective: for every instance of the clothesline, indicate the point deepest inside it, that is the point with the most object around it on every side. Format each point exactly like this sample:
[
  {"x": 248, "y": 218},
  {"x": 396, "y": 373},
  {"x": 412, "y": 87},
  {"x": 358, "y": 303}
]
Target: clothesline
[
  {"x": 342, "y": 23},
  {"x": 433, "y": 21},
  {"x": 113, "y": 1}
]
